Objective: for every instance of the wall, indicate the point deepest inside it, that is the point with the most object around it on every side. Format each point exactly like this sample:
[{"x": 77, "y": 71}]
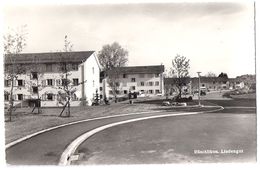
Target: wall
[{"x": 26, "y": 90}]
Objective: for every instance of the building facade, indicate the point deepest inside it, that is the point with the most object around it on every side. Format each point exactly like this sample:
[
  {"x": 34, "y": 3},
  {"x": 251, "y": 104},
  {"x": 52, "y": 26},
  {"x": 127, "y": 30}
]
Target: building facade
[
  {"x": 147, "y": 80},
  {"x": 44, "y": 76}
]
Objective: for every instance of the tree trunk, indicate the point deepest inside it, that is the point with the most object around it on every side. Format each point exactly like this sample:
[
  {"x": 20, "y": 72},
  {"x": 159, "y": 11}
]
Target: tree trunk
[
  {"x": 38, "y": 97},
  {"x": 11, "y": 100},
  {"x": 63, "y": 109},
  {"x": 69, "y": 106}
]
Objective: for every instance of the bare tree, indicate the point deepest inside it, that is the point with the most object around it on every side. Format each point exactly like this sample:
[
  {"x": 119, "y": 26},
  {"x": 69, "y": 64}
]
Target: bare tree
[
  {"x": 113, "y": 81},
  {"x": 65, "y": 67},
  {"x": 180, "y": 69},
  {"x": 111, "y": 57},
  {"x": 14, "y": 43},
  {"x": 36, "y": 72}
]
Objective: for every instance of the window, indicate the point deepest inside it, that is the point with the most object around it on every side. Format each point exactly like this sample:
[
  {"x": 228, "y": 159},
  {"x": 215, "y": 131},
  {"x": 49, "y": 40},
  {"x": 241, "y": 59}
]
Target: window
[
  {"x": 7, "y": 83},
  {"x": 20, "y": 96},
  {"x": 75, "y": 82},
  {"x": 6, "y": 97},
  {"x": 203, "y": 85},
  {"x": 49, "y": 67},
  {"x": 214, "y": 82},
  {"x": 110, "y": 92},
  {"x": 142, "y": 83},
  {"x": 117, "y": 84},
  {"x": 157, "y": 91},
  {"x": 124, "y": 75},
  {"x": 74, "y": 67},
  {"x": 132, "y": 79},
  {"x": 132, "y": 87},
  {"x": 100, "y": 88},
  {"x": 150, "y": 91},
  {"x": 50, "y": 96},
  {"x": 20, "y": 82},
  {"x": 74, "y": 97},
  {"x": 35, "y": 89},
  {"x": 62, "y": 67},
  {"x": 49, "y": 82},
  {"x": 125, "y": 91},
  {"x": 157, "y": 83},
  {"x": 157, "y": 75},
  {"x": 34, "y": 75},
  {"x": 150, "y": 83},
  {"x": 63, "y": 82}
]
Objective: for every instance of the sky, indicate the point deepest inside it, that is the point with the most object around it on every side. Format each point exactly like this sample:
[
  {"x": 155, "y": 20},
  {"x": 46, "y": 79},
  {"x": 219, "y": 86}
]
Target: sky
[{"x": 216, "y": 37}]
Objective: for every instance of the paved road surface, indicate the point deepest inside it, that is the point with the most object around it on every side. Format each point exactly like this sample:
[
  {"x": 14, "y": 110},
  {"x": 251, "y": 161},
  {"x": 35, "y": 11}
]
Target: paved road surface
[
  {"x": 174, "y": 140},
  {"x": 46, "y": 148}
]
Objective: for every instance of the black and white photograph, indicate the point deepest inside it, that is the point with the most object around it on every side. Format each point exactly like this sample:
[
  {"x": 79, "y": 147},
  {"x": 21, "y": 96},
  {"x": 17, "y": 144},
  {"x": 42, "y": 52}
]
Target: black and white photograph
[{"x": 137, "y": 83}]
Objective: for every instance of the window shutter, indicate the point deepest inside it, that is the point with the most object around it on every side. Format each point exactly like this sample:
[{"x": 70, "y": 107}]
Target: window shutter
[
  {"x": 43, "y": 82},
  {"x": 44, "y": 97},
  {"x": 57, "y": 82}
]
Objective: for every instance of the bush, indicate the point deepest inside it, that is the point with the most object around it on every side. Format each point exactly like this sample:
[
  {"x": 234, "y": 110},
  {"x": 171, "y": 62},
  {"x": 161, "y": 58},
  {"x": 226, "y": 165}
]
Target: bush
[
  {"x": 184, "y": 99},
  {"x": 227, "y": 95}
]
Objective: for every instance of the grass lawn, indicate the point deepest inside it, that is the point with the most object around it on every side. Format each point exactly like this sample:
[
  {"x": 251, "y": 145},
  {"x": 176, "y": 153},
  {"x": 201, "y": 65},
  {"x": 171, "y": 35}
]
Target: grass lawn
[
  {"x": 244, "y": 96},
  {"x": 24, "y": 122}
]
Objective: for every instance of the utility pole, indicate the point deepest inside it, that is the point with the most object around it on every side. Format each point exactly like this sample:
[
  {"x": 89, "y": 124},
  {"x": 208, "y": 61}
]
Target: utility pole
[{"x": 199, "y": 87}]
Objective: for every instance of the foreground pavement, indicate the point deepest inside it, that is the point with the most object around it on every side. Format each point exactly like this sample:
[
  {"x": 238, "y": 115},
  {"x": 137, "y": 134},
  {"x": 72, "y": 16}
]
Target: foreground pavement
[
  {"x": 208, "y": 138},
  {"x": 46, "y": 148},
  {"x": 214, "y": 131}
]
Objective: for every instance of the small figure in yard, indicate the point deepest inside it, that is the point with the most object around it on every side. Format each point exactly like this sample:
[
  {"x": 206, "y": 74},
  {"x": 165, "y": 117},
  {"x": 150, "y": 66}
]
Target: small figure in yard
[
  {"x": 130, "y": 97},
  {"x": 105, "y": 100}
]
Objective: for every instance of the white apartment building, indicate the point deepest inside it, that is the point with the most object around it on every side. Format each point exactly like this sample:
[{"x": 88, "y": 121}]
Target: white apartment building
[
  {"x": 44, "y": 74},
  {"x": 143, "y": 79}
]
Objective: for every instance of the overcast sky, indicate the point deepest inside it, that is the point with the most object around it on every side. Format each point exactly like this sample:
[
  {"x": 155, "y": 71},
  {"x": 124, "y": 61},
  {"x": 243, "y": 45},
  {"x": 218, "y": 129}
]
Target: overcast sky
[{"x": 216, "y": 37}]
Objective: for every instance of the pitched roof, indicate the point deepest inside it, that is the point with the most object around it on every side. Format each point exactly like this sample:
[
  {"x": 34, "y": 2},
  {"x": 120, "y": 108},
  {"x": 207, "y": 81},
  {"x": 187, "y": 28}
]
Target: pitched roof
[
  {"x": 168, "y": 80},
  {"x": 139, "y": 69},
  {"x": 52, "y": 57}
]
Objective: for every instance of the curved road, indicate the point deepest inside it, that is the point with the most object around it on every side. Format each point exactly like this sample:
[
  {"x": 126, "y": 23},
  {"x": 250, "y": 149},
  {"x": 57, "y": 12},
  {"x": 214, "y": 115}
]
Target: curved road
[{"x": 46, "y": 148}]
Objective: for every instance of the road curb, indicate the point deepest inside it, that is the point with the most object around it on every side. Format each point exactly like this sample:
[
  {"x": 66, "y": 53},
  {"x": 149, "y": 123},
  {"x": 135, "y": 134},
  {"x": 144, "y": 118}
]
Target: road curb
[
  {"x": 72, "y": 123},
  {"x": 71, "y": 148}
]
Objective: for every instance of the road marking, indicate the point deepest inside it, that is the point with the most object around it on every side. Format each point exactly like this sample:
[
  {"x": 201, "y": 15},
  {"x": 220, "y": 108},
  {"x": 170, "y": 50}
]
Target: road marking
[{"x": 71, "y": 148}]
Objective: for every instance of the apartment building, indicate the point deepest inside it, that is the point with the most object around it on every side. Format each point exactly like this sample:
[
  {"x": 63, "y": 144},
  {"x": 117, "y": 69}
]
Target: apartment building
[
  {"x": 44, "y": 76},
  {"x": 142, "y": 79}
]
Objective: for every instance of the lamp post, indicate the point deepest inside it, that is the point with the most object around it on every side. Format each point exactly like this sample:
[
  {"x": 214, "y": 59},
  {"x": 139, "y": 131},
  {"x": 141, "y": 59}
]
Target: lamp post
[{"x": 199, "y": 87}]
